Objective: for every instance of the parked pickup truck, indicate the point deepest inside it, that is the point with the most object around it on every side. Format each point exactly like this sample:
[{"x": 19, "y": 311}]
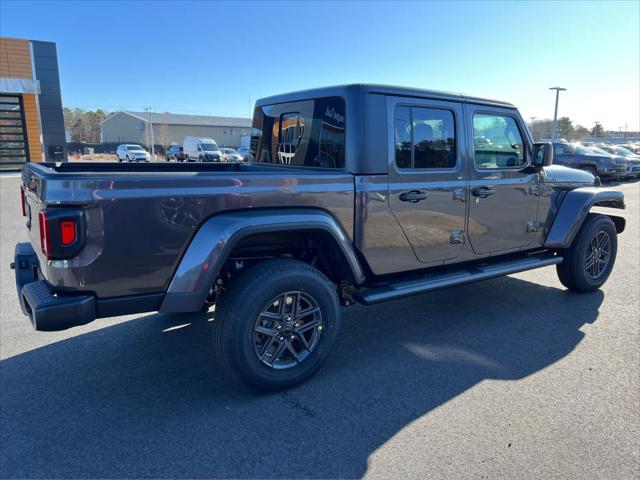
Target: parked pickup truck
[
  {"x": 591, "y": 159},
  {"x": 359, "y": 193}
]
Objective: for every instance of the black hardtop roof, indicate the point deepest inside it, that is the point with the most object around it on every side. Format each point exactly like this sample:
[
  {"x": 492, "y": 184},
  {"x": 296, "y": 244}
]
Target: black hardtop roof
[{"x": 360, "y": 88}]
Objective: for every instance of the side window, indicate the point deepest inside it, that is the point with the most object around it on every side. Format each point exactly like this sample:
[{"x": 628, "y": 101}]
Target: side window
[
  {"x": 329, "y": 112},
  {"x": 403, "y": 137},
  {"x": 498, "y": 143},
  {"x": 309, "y": 133},
  {"x": 291, "y": 130},
  {"x": 424, "y": 138}
]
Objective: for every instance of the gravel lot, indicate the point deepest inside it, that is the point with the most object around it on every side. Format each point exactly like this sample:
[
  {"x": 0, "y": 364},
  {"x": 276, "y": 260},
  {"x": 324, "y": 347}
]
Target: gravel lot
[{"x": 510, "y": 378}]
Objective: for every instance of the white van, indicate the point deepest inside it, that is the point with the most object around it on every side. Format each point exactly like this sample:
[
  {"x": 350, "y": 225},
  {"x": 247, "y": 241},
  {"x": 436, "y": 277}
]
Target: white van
[{"x": 201, "y": 150}]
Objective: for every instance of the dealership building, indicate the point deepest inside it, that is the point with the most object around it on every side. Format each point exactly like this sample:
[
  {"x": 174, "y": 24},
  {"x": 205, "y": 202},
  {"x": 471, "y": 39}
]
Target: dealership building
[
  {"x": 31, "y": 120},
  {"x": 171, "y": 129}
]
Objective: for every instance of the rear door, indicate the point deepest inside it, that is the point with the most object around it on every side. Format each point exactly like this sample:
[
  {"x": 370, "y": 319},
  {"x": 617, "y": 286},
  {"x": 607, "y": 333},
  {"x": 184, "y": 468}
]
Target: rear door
[
  {"x": 503, "y": 200},
  {"x": 426, "y": 175}
]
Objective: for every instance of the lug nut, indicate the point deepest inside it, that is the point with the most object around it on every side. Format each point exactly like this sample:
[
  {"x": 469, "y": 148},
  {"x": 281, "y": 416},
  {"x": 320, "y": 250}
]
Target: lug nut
[
  {"x": 278, "y": 327},
  {"x": 296, "y": 324},
  {"x": 281, "y": 338}
]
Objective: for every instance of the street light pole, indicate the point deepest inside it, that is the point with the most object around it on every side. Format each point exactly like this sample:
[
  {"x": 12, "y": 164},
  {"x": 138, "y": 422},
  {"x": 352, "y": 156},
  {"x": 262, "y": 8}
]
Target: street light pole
[
  {"x": 554, "y": 128},
  {"x": 153, "y": 148}
]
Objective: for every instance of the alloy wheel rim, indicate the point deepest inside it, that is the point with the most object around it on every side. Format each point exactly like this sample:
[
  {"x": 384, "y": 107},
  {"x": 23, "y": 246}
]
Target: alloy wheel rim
[
  {"x": 287, "y": 330},
  {"x": 598, "y": 255}
]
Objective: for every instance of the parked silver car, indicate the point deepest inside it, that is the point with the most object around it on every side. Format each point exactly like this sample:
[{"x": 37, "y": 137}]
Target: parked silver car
[
  {"x": 132, "y": 153},
  {"x": 230, "y": 155},
  {"x": 244, "y": 153}
]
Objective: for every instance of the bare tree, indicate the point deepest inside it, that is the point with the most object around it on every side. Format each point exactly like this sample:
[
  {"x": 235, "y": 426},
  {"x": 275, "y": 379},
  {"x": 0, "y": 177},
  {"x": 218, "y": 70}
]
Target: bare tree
[
  {"x": 148, "y": 135},
  {"x": 164, "y": 136}
]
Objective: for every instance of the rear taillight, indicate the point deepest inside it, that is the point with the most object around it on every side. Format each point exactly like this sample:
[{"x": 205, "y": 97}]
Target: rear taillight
[
  {"x": 62, "y": 232},
  {"x": 67, "y": 232},
  {"x": 22, "y": 202},
  {"x": 44, "y": 233}
]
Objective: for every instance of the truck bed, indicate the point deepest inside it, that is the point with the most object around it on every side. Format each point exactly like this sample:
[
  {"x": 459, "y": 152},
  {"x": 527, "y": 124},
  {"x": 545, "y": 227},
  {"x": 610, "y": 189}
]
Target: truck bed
[{"x": 141, "y": 217}]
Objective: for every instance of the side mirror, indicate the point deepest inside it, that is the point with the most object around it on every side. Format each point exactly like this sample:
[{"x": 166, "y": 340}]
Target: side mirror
[{"x": 542, "y": 154}]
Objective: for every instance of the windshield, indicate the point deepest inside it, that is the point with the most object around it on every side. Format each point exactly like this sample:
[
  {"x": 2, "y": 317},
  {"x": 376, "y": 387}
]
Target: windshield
[
  {"x": 623, "y": 151},
  {"x": 599, "y": 151},
  {"x": 135, "y": 148},
  {"x": 209, "y": 147},
  {"x": 582, "y": 150},
  {"x": 230, "y": 151}
]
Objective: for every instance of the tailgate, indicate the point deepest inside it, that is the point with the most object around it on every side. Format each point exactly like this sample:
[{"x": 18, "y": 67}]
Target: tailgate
[
  {"x": 57, "y": 230},
  {"x": 31, "y": 189}
]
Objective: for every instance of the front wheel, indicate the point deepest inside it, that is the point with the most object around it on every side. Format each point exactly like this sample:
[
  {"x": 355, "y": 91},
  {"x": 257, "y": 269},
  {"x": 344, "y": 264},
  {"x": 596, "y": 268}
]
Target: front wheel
[
  {"x": 276, "y": 324},
  {"x": 589, "y": 260}
]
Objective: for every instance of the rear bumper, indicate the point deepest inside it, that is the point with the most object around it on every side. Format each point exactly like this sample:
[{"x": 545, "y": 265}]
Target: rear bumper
[
  {"x": 47, "y": 310},
  {"x": 52, "y": 310}
]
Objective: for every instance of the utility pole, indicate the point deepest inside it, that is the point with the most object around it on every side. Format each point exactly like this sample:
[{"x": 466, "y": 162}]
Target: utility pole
[
  {"x": 554, "y": 128},
  {"x": 153, "y": 148}
]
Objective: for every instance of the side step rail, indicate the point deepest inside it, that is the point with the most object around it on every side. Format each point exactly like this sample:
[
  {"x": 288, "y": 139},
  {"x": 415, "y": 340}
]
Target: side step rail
[{"x": 428, "y": 283}]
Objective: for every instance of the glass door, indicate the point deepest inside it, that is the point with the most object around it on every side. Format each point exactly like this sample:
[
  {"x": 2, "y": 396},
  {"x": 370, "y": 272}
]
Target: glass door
[{"x": 14, "y": 150}]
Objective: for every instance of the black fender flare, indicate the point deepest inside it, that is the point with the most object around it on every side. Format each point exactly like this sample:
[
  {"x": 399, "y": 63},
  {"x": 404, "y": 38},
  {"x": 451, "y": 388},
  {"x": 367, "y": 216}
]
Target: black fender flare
[
  {"x": 575, "y": 207},
  {"x": 215, "y": 239}
]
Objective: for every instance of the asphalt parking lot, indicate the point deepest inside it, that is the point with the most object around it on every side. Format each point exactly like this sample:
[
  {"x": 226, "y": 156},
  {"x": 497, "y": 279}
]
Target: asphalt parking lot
[{"x": 510, "y": 378}]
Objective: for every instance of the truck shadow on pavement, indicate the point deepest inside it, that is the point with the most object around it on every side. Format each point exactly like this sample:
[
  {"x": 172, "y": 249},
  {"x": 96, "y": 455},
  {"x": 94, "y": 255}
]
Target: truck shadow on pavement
[{"x": 146, "y": 398}]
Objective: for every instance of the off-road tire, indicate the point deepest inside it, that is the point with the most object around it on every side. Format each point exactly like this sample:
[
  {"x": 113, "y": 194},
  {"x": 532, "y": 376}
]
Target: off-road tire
[
  {"x": 572, "y": 271},
  {"x": 242, "y": 303}
]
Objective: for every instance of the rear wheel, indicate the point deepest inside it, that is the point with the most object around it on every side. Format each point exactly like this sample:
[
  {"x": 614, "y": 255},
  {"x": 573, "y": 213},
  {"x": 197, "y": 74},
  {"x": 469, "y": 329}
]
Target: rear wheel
[
  {"x": 276, "y": 324},
  {"x": 588, "y": 262}
]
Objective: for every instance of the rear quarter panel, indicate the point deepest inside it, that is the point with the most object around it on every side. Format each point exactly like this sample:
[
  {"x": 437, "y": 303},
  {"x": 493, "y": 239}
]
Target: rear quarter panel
[{"x": 141, "y": 223}]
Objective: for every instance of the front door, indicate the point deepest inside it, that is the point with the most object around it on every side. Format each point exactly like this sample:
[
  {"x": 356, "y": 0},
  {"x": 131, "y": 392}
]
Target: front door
[
  {"x": 426, "y": 175},
  {"x": 503, "y": 199}
]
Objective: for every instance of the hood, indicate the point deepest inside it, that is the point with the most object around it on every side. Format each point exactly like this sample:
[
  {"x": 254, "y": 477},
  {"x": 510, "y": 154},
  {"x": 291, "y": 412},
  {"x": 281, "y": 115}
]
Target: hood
[{"x": 559, "y": 175}]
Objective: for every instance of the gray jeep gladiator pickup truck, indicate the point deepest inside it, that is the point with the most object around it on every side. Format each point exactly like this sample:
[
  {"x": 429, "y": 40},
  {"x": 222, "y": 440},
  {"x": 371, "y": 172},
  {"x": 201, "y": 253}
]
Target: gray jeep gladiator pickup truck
[{"x": 358, "y": 193}]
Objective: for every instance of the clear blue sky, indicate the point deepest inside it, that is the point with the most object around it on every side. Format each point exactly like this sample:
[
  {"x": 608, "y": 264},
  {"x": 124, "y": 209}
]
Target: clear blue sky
[{"x": 217, "y": 58}]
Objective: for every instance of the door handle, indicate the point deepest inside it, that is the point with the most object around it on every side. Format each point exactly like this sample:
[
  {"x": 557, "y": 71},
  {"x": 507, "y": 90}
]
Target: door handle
[
  {"x": 482, "y": 192},
  {"x": 414, "y": 196}
]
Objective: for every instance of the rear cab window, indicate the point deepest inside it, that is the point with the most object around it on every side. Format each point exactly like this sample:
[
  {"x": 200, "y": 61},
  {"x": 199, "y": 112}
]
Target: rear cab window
[{"x": 308, "y": 133}]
